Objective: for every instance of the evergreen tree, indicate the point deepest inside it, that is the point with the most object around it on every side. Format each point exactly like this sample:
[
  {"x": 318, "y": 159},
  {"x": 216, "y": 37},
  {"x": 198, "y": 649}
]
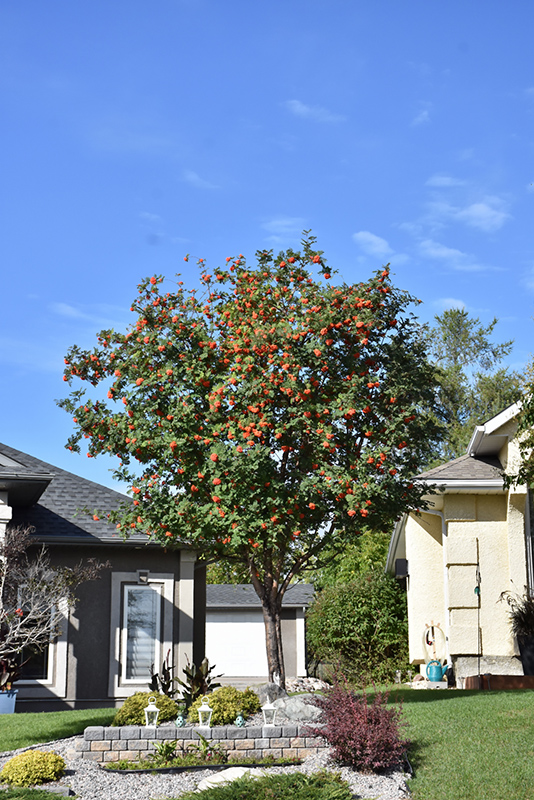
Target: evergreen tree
[{"x": 473, "y": 388}]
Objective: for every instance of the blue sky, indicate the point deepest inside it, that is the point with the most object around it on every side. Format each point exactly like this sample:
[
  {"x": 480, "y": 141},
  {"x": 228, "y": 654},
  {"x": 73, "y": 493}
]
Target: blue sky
[{"x": 135, "y": 132}]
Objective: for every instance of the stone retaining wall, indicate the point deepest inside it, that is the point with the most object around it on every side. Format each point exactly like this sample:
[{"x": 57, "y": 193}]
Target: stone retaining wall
[{"x": 132, "y": 742}]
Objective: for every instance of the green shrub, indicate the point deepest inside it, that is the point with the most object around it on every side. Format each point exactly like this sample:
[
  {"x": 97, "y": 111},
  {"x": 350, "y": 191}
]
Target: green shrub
[
  {"x": 132, "y": 711},
  {"x": 227, "y": 702},
  {"x": 319, "y": 786},
  {"x": 32, "y": 767},
  {"x": 361, "y": 628}
]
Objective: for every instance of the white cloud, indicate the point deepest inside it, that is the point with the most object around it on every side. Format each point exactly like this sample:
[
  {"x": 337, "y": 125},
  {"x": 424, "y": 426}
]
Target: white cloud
[
  {"x": 455, "y": 259},
  {"x": 487, "y": 215},
  {"x": 102, "y": 316},
  {"x": 316, "y": 113},
  {"x": 283, "y": 228},
  {"x": 195, "y": 180},
  {"x": 483, "y": 216},
  {"x": 66, "y": 310},
  {"x": 444, "y": 181},
  {"x": 376, "y": 246},
  {"x": 444, "y": 303},
  {"x": 423, "y": 117},
  {"x": 372, "y": 244}
]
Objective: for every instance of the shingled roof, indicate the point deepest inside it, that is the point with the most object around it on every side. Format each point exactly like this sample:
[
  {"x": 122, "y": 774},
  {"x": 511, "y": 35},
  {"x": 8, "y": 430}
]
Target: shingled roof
[
  {"x": 242, "y": 595},
  {"x": 52, "y": 497},
  {"x": 465, "y": 468}
]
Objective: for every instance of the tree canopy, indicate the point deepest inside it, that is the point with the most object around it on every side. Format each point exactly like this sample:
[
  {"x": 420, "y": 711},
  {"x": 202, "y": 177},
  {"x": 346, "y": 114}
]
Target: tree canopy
[
  {"x": 473, "y": 388},
  {"x": 263, "y": 417}
]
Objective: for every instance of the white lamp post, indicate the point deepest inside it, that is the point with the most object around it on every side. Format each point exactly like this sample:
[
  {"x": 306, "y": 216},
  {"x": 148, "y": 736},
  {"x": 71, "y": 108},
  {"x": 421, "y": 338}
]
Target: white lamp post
[
  {"x": 204, "y": 713},
  {"x": 151, "y": 713}
]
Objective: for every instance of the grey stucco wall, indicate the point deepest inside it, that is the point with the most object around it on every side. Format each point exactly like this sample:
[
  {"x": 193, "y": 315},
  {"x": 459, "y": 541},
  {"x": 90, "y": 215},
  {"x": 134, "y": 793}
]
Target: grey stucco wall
[{"x": 89, "y": 625}]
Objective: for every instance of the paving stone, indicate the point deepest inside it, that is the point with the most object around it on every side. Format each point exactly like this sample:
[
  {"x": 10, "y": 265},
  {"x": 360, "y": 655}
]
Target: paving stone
[
  {"x": 166, "y": 733},
  {"x": 237, "y": 733},
  {"x": 283, "y": 741},
  {"x": 94, "y": 733},
  {"x": 100, "y": 746},
  {"x": 244, "y": 744},
  {"x": 289, "y": 730},
  {"x": 131, "y": 732},
  {"x": 271, "y": 731},
  {"x": 94, "y": 756}
]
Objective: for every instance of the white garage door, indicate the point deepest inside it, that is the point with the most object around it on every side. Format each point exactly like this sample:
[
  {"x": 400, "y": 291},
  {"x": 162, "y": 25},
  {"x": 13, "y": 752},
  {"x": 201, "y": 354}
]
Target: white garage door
[{"x": 235, "y": 643}]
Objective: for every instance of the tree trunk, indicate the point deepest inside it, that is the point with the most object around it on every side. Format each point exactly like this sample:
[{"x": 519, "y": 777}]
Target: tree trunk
[{"x": 273, "y": 642}]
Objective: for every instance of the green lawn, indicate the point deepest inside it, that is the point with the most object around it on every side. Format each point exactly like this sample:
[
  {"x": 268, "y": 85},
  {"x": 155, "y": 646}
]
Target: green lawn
[
  {"x": 27, "y": 794},
  {"x": 470, "y": 745},
  {"x": 21, "y": 730}
]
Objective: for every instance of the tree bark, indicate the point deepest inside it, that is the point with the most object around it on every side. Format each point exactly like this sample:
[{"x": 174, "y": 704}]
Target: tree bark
[{"x": 273, "y": 642}]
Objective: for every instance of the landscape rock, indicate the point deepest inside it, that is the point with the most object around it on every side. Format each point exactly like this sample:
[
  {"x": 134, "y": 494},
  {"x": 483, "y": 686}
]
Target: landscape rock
[
  {"x": 269, "y": 692},
  {"x": 227, "y": 776},
  {"x": 298, "y": 708}
]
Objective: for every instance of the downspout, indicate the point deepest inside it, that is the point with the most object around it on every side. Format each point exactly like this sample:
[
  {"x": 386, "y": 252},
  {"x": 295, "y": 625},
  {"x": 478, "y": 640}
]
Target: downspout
[{"x": 445, "y": 579}]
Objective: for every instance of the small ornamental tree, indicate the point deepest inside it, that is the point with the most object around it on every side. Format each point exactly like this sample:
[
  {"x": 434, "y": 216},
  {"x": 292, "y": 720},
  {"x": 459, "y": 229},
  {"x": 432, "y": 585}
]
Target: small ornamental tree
[
  {"x": 33, "y": 597},
  {"x": 263, "y": 418}
]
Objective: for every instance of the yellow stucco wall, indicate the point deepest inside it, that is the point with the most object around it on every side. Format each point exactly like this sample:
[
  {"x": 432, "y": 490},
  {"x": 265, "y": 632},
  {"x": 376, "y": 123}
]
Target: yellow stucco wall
[
  {"x": 446, "y": 570},
  {"x": 425, "y": 596}
]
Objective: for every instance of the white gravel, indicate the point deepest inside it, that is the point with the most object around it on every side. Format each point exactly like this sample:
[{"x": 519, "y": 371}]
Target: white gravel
[{"x": 90, "y": 782}]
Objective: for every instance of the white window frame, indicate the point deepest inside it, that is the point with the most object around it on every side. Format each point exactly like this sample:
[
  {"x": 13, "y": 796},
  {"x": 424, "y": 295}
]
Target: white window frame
[
  {"x": 55, "y": 682},
  {"x": 126, "y": 589},
  {"x": 119, "y": 685}
]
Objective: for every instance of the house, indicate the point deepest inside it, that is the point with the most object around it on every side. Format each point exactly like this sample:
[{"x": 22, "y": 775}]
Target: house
[
  {"x": 235, "y": 632},
  {"x": 472, "y": 543},
  {"x": 148, "y": 602}
]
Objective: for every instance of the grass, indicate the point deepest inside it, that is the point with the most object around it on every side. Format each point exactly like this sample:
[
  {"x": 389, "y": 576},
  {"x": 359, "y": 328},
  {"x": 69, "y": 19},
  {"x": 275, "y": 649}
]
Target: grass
[
  {"x": 22, "y": 730},
  {"x": 470, "y": 744}
]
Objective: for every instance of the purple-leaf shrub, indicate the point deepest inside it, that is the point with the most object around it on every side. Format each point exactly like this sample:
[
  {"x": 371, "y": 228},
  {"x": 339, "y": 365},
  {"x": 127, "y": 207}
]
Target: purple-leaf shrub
[{"x": 364, "y": 734}]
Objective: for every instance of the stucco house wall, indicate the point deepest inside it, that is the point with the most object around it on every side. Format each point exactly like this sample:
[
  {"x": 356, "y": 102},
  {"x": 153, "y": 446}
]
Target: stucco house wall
[
  {"x": 85, "y": 666},
  {"x": 472, "y": 544}
]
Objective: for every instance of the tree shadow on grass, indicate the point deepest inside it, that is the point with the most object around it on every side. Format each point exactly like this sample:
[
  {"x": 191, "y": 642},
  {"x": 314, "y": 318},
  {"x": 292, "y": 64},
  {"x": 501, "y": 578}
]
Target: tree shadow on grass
[{"x": 407, "y": 695}]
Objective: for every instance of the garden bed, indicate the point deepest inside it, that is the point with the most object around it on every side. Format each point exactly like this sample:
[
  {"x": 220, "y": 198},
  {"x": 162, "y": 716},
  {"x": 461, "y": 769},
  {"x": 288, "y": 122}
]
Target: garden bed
[
  {"x": 136, "y": 742},
  {"x": 499, "y": 682},
  {"x": 176, "y": 770}
]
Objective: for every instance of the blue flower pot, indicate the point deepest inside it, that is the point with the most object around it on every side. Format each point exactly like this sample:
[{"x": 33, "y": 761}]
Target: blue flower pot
[{"x": 7, "y": 701}]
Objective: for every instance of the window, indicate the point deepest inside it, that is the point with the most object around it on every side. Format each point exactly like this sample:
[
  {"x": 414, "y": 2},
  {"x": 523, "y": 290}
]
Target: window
[
  {"x": 141, "y": 631},
  {"x": 141, "y": 625},
  {"x": 44, "y": 675},
  {"x": 35, "y": 663}
]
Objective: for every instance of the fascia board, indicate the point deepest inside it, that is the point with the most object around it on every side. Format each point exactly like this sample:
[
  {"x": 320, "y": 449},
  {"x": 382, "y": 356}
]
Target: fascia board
[
  {"x": 492, "y": 425},
  {"x": 469, "y": 487}
]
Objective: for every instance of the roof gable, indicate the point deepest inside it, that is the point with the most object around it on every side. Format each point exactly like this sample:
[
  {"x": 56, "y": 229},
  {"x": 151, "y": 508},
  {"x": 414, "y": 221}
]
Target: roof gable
[
  {"x": 465, "y": 468},
  {"x": 55, "y": 512}
]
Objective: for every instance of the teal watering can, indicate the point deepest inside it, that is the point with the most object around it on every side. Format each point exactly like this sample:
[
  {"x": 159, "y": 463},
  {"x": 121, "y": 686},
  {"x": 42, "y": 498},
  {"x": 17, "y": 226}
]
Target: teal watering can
[{"x": 434, "y": 670}]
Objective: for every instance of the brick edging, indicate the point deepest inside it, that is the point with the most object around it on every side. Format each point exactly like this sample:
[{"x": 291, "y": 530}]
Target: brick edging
[{"x": 132, "y": 742}]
